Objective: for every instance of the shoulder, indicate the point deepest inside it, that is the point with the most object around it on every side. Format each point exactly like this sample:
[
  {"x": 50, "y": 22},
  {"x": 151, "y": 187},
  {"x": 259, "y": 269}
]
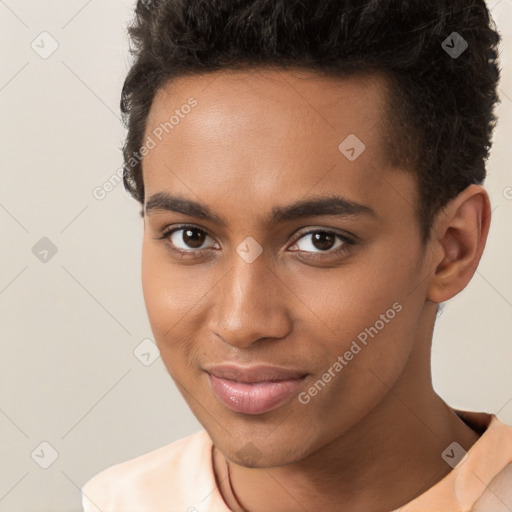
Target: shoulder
[
  {"x": 495, "y": 453},
  {"x": 498, "y": 493},
  {"x": 153, "y": 478}
]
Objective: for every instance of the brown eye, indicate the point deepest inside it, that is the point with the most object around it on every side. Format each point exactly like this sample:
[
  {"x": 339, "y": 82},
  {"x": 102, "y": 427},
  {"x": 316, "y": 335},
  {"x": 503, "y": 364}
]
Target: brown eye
[
  {"x": 321, "y": 241},
  {"x": 193, "y": 238},
  {"x": 188, "y": 238}
]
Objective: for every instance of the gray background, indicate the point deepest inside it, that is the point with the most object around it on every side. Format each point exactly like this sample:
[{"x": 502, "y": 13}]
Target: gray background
[{"x": 69, "y": 325}]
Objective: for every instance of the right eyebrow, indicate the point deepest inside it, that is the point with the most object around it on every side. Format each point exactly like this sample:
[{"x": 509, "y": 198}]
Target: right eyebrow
[{"x": 163, "y": 201}]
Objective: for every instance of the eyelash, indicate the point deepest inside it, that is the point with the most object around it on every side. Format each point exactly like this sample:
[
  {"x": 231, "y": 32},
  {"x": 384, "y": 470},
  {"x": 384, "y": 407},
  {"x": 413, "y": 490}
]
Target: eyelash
[{"x": 192, "y": 253}]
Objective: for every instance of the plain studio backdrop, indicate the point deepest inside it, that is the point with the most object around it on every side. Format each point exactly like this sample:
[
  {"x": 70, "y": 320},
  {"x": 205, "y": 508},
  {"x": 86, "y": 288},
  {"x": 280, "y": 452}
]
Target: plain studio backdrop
[{"x": 77, "y": 390}]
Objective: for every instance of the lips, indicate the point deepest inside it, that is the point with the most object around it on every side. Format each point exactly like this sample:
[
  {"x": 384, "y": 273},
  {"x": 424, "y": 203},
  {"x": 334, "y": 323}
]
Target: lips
[{"x": 255, "y": 389}]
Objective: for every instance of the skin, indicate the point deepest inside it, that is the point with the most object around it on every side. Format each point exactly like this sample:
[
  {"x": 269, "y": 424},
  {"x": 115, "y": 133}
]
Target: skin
[{"x": 372, "y": 438}]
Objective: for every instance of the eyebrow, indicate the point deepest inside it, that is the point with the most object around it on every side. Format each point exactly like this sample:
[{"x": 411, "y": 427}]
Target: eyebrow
[{"x": 326, "y": 205}]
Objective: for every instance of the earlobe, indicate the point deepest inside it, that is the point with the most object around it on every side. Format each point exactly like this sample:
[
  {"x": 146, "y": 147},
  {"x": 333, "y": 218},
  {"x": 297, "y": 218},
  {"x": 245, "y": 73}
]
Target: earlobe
[{"x": 460, "y": 235}]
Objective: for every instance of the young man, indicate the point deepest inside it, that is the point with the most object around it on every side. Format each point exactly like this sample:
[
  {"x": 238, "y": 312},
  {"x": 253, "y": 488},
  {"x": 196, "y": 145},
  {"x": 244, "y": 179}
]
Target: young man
[{"x": 310, "y": 175}]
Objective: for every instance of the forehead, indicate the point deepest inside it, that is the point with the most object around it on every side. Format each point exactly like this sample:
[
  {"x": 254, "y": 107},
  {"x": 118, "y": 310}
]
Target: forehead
[
  {"x": 289, "y": 104},
  {"x": 266, "y": 132}
]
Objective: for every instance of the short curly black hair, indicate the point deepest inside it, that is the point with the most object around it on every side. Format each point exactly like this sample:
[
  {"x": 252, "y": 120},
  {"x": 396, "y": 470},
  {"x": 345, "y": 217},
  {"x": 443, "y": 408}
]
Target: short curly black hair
[{"x": 441, "y": 104}]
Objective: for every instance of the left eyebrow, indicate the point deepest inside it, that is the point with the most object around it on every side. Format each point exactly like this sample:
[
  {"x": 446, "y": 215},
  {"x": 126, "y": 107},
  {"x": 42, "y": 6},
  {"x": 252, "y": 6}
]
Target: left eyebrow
[
  {"x": 320, "y": 206},
  {"x": 330, "y": 205},
  {"x": 162, "y": 201}
]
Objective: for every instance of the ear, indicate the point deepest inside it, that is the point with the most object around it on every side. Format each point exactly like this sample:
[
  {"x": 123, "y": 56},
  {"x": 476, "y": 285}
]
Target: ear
[{"x": 458, "y": 240}]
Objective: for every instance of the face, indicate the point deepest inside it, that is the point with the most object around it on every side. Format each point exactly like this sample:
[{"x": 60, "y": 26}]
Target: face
[{"x": 274, "y": 238}]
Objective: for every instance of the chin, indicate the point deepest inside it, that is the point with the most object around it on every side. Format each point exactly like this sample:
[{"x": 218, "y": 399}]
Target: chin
[{"x": 262, "y": 451}]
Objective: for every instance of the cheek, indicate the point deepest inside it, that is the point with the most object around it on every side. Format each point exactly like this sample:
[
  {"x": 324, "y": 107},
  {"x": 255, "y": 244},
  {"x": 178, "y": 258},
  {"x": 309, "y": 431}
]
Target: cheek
[
  {"x": 366, "y": 310},
  {"x": 164, "y": 309},
  {"x": 174, "y": 297},
  {"x": 158, "y": 297},
  {"x": 167, "y": 293},
  {"x": 346, "y": 300},
  {"x": 372, "y": 328}
]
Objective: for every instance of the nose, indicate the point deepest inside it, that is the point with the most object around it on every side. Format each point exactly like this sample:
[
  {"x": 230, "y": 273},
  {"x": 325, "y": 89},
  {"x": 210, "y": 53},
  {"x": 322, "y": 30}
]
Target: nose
[{"x": 251, "y": 304}]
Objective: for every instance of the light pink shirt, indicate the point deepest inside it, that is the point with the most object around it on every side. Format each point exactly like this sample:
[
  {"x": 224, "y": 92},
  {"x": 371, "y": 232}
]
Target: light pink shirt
[{"x": 179, "y": 477}]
